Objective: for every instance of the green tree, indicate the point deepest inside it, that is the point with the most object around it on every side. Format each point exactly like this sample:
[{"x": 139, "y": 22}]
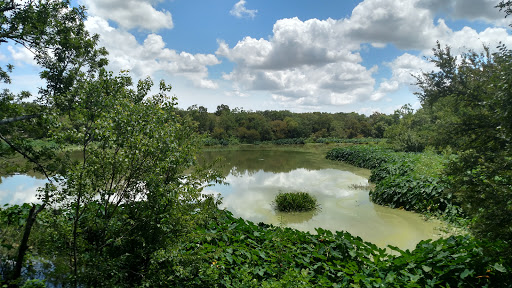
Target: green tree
[
  {"x": 132, "y": 191},
  {"x": 56, "y": 34},
  {"x": 482, "y": 174},
  {"x": 292, "y": 127},
  {"x": 379, "y": 123},
  {"x": 407, "y": 134},
  {"x": 279, "y": 129},
  {"x": 466, "y": 106}
]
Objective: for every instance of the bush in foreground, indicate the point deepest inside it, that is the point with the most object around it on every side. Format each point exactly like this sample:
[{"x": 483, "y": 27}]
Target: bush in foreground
[{"x": 231, "y": 252}]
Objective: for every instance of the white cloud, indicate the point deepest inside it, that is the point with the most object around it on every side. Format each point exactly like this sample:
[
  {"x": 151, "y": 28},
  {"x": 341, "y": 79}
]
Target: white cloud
[
  {"x": 22, "y": 55},
  {"x": 469, "y": 39},
  {"x": 308, "y": 63},
  {"x": 131, "y": 14},
  {"x": 240, "y": 11},
  {"x": 399, "y": 22},
  {"x": 467, "y": 9},
  {"x": 151, "y": 56},
  {"x": 317, "y": 62},
  {"x": 403, "y": 70},
  {"x": 410, "y": 25},
  {"x": 311, "y": 63},
  {"x": 26, "y": 81},
  {"x": 3, "y": 57}
]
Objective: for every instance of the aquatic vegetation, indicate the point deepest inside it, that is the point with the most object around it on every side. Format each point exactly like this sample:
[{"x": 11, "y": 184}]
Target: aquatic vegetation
[
  {"x": 232, "y": 252},
  {"x": 402, "y": 180},
  {"x": 295, "y": 202}
]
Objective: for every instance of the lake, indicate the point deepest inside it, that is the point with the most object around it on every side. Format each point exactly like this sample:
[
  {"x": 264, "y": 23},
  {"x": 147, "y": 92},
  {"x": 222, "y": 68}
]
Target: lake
[{"x": 257, "y": 174}]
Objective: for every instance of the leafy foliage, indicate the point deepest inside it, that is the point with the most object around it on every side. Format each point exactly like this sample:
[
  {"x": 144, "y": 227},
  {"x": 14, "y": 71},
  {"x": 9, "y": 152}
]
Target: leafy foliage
[
  {"x": 231, "y": 252},
  {"x": 466, "y": 108},
  {"x": 401, "y": 181},
  {"x": 295, "y": 202},
  {"x": 352, "y": 141},
  {"x": 130, "y": 193},
  {"x": 285, "y": 127}
]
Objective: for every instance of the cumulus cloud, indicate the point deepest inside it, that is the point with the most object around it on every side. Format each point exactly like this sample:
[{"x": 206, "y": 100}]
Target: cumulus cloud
[
  {"x": 307, "y": 62},
  {"x": 21, "y": 54},
  {"x": 466, "y": 9},
  {"x": 403, "y": 70},
  {"x": 469, "y": 39},
  {"x": 131, "y": 14},
  {"x": 410, "y": 24},
  {"x": 151, "y": 56},
  {"x": 399, "y": 22},
  {"x": 317, "y": 62},
  {"x": 239, "y": 10}
]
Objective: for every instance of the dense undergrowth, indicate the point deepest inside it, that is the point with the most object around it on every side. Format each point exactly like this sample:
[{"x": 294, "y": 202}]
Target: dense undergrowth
[
  {"x": 416, "y": 182},
  {"x": 412, "y": 181},
  {"x": 231, "y": 252}
]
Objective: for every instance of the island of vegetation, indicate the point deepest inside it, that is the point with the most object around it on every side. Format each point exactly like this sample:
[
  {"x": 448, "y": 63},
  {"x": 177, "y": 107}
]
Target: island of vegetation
[
  {"x": 295, "y": 202},
  {"x": 130, "y": 213}
]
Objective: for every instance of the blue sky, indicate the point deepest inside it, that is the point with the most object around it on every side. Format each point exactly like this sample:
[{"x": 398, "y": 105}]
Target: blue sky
[{"x": 298, "y": 55}]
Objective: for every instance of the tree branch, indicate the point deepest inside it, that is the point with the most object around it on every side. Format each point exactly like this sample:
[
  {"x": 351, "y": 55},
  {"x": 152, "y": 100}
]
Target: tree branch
[
  {"x": 25, "y": 155},
  {"x": 31, "y": 219},
  {"x": 19, "y": 118},
  {"x": 8, "y": 8}
]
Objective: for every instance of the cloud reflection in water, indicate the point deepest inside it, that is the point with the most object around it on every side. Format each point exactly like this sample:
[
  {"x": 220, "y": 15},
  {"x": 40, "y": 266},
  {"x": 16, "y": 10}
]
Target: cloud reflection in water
[
  {"x": 343, "y": 207},
  {"x": 19, "y": 189}
]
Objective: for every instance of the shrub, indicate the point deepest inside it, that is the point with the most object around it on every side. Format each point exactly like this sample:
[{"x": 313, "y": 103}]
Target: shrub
[
  {"x": 295, "y": 202},
  {"x": 231, "y": 252}
]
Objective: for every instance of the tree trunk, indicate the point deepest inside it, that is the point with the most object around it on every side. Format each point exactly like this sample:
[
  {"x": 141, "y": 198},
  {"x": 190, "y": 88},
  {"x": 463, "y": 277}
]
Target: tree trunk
[{"x": 22, "y": 251}]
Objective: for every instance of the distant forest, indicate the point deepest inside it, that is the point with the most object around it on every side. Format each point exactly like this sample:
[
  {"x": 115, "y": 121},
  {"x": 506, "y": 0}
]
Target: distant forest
[{"x": 269, "y": 125}]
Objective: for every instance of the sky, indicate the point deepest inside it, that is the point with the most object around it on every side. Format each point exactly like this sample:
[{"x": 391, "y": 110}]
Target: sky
[{"x": 298, "y": 55}]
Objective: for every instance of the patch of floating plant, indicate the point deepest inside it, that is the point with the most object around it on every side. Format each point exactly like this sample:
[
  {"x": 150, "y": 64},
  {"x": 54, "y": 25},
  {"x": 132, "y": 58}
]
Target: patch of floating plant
[{"x": 295, "y": 202}]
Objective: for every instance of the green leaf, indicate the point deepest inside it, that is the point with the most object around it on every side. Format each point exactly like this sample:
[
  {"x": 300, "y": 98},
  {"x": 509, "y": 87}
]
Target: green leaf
[
  {"x": 465, "y": 273},
  {"x": 500, "y": 268},
  {"x": 230, "y": 258}
]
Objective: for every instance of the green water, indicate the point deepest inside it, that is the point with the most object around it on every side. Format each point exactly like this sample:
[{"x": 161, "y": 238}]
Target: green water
[{"x": 255, "y": 176}]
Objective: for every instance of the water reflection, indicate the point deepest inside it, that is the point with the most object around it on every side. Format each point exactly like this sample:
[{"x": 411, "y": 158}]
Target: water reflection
[
  {"x": 343, "y": 207},
  {"x": 19, "y": 189},
  {"x": 251, "y": 160},
  {"x": 257, "y": 175}
]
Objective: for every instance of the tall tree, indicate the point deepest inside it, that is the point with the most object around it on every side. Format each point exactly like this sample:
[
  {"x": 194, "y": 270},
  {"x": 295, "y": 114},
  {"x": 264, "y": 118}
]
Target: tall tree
[
  {"x": 134, "y": 189},
  {"x": 466, "y": 106},
  {"x": 55, "y": 32}
]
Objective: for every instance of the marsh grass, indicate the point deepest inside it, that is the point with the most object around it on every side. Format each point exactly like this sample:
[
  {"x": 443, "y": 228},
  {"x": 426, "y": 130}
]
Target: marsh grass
[{"x": 295, "y": 202}]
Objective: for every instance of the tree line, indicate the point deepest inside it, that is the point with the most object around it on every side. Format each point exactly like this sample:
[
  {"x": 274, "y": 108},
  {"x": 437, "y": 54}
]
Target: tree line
[{"x": 268, "y": 125}]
